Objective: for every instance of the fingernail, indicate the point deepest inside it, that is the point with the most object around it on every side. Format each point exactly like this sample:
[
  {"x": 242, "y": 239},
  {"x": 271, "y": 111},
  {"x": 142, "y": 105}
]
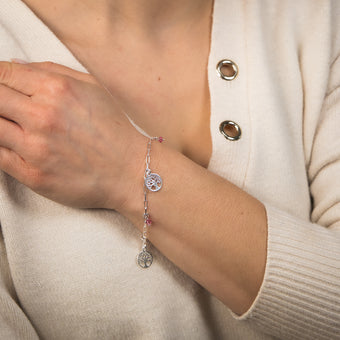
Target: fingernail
[{"x": 18, "y": 61}]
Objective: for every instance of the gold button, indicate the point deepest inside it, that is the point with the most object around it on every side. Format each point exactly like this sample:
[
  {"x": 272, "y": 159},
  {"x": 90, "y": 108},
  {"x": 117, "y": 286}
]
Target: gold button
[
  {"x": 227, "y": 69},
  {"x": 230, "y": 130}
]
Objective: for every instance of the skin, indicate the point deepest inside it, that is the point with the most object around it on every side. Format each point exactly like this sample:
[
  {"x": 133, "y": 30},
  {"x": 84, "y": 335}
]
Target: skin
[
  {"x": 66, "y": 137},
  {"x": 135, "y": 49}
]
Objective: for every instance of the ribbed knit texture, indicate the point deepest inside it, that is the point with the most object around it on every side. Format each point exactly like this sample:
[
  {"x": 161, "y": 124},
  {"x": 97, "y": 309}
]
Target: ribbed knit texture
[
  {"x": 69, "y": 274},
  {"x": 303, "y": 271}
]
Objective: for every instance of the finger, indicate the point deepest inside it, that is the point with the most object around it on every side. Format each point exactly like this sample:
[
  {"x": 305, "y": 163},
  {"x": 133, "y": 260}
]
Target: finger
[
  {"x": 11, "y": 135},
  {"x": 49, "y": 66},
  {"x": 14, "y": 105},
  {"x": 21, "y": 77},
  {"x": 11, "y": 163}
]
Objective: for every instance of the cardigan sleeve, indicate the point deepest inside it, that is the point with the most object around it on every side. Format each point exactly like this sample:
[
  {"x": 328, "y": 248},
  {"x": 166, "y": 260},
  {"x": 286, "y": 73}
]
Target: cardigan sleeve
[
  {"x": 300, "y": 294},
  {"x": 14, "y": 325}
]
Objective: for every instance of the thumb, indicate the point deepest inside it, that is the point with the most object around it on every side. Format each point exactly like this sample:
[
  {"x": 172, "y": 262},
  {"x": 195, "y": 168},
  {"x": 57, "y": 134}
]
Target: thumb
[{"x": 49, "y": 66}]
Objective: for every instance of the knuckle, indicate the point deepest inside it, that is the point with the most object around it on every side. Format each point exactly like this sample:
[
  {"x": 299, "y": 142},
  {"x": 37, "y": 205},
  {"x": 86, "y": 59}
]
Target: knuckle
[
  {"x": 6, "y": 73},
  {"x": 35, "y": 179},
  {"x": 37, "y": 149},
  {"x": 46, "y": 118},
  {"x": 5, "y": 159},
  {"x": 29, "y": 175},
  {"x": 25, "y": 172},
  {"x": 57, "y": 86},
  {"x": 47, "y": 65},
  {"x": 40, "y": 150}
]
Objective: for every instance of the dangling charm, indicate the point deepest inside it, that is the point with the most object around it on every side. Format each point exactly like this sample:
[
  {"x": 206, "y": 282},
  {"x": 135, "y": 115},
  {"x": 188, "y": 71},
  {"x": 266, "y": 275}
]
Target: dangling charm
[
  {"x": 153, "y": 182},
  {"x": 144, "y": 259}
]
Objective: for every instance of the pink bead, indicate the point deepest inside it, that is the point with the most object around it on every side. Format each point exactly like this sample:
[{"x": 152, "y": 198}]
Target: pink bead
[
  {"x": 148, "y": 221},
  {"x": 160, "y": 139}
]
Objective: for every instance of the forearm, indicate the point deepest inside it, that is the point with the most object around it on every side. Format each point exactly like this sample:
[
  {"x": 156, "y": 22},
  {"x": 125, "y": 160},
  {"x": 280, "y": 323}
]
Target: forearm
[{"x": 212, "y": 230}]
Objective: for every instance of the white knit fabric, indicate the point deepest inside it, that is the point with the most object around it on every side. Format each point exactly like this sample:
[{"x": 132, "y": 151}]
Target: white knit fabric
[{"x": 70, "y": 274}]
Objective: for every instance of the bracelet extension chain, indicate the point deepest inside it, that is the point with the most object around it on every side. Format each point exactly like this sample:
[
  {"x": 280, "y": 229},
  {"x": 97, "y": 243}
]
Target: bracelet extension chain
[{"x": 152, "y": 182}]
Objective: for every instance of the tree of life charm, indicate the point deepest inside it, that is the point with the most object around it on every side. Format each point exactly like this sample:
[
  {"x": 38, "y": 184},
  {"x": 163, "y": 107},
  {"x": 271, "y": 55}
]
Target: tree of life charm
[
  {"x": 153, "y": 182},
  {"x": 144, "y": 259}
]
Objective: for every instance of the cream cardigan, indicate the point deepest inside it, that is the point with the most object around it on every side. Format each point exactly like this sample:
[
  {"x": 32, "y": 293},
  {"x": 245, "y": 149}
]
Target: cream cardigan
[{"x": 70, "y": 274}]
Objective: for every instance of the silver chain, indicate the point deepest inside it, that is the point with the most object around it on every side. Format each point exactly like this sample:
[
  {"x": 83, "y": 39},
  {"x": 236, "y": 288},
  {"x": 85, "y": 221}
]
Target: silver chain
[{"x": 152, "y": 182}]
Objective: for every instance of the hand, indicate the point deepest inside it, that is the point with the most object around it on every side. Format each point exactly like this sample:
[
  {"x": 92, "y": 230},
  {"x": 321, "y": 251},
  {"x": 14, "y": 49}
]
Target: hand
[{"x": 65, "y": 137}]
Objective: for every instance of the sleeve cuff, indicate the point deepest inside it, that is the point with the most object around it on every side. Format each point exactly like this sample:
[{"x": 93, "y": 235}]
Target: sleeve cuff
[{"x": 299, "y": 297}]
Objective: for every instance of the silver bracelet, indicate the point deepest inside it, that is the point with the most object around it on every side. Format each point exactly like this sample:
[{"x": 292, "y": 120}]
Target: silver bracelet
[{"x": 152, "y": 182}]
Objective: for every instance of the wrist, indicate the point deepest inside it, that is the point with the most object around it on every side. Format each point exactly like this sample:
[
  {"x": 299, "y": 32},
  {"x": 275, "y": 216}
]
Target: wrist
[
  {"x": 158, "y": 153},
  {"x": 126, "y": 191},
  {"x": 132, "y": 195}
]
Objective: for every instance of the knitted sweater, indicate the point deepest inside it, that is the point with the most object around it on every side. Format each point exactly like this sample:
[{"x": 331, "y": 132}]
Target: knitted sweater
[{"x": 70, "y": 273}]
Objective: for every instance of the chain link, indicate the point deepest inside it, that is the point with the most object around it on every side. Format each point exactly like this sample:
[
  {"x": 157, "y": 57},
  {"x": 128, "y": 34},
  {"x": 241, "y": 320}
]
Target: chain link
[{"x": 145, "y": 258}]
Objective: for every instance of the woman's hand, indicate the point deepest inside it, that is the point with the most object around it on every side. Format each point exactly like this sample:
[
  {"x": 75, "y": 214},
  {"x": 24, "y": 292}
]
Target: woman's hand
[{"x": 66, "y": 138}]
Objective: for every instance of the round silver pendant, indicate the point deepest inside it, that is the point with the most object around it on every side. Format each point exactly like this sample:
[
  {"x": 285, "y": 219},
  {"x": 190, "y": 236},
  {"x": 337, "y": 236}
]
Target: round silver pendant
[
  {"x": 144, "y": 259},
  {"x": 153, "y": 182}
]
